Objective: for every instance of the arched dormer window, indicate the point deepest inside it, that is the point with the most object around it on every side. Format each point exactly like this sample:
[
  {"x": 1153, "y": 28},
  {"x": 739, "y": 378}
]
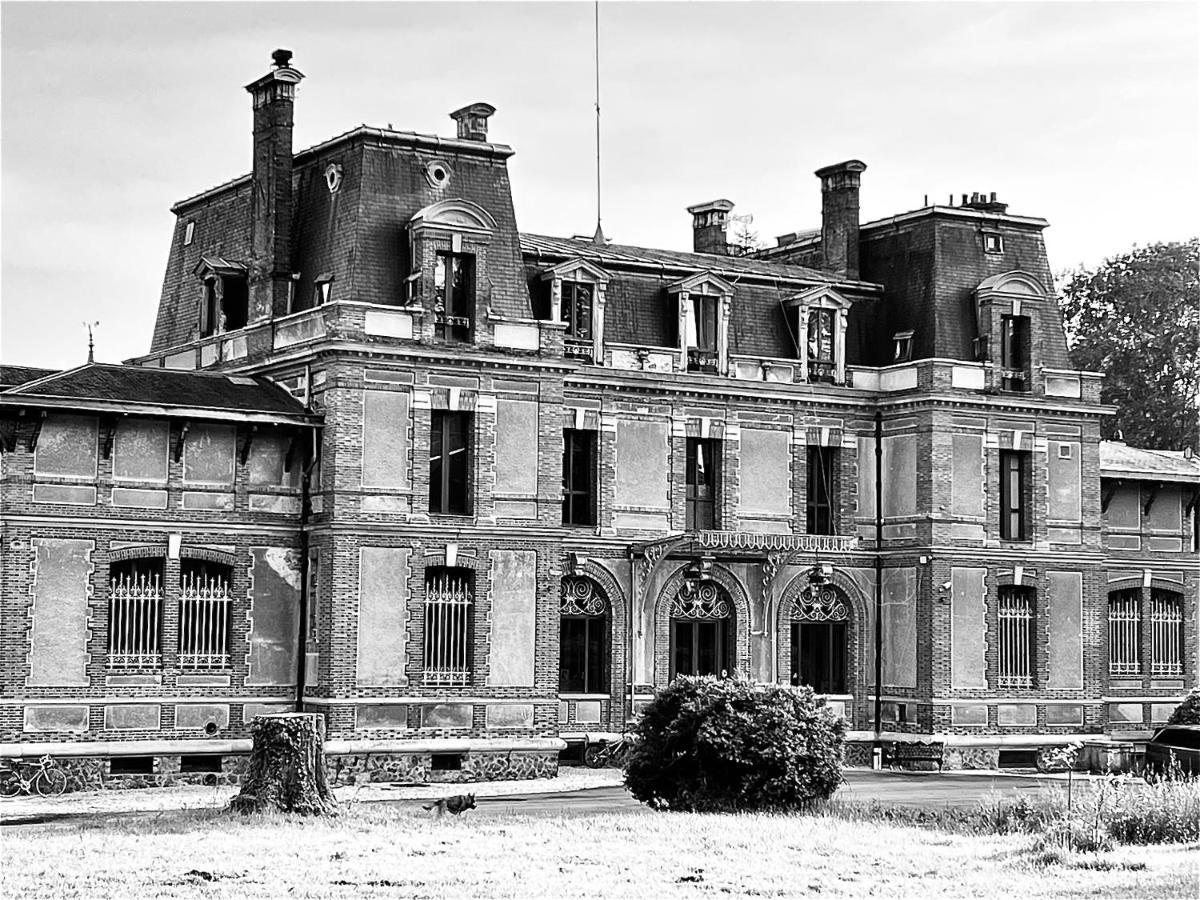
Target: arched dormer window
[
  {"x": 1005, "y": 305},
  {"x": 821, "y": 314},
  {"x": 577, "y": 297},
  {"x": 703, "y": 304},
  {"x": 448, "y": 247}
]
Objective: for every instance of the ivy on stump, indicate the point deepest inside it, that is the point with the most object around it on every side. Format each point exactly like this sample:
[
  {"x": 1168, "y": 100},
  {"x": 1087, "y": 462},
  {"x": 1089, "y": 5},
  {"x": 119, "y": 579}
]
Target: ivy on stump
[{"x": 287, "y": 767}]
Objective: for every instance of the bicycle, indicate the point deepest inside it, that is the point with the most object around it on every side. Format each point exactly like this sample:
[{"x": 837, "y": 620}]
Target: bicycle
[
  {"x": 44, "y": 778},
  {"x": 596, "y": 756}
]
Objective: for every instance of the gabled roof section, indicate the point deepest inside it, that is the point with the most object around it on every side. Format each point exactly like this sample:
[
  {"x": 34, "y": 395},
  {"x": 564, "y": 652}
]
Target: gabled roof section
[
  {"x": 102, "y": 387},
  {"x": 1119, "y": 460},
  {"x": 673, "y": 262},
  {"x": 219, "y": 265},
  {"x": 1014, "y": 282},
  {"x": 822, "y": 295},
  {"x": 701, "y": 283},
  {"x": 12, "y": 376},
  {"x": 573, "y": 268}
]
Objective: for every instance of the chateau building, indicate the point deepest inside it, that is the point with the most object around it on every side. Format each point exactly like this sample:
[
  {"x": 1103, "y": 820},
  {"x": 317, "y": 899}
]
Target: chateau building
[{"x": 467, "y": 491}]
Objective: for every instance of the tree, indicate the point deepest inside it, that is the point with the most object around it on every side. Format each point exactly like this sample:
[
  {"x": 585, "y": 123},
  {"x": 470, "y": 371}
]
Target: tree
[
  {"x": 1187, "y": 712},
  {"x": 1136, "y": 318},
  {"x": 287, "y": 767},
  {"x": 725, "y": 744},
  {"x": 743, "y": 241}
]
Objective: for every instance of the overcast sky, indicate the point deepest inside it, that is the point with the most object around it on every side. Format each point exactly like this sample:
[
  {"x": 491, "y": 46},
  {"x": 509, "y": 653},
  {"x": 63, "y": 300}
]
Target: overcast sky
[{"x": 1083, "y": 113}]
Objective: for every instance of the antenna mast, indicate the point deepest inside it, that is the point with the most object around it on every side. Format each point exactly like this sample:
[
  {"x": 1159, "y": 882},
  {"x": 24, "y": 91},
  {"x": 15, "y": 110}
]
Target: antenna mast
[{"x": 598, "y": 237}]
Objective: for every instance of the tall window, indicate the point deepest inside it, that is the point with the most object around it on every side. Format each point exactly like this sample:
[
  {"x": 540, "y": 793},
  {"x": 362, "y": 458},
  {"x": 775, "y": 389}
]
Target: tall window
[
  {"x": 821, "y": 364},
  {"x": 204, "y": 605},
  {"x": 450, "y": 463},
  {"x": 1014, "y": 353},
  {"x": 1166, "y": 633},
  {"x": 579, "y": 477},
  {"x": 454, "y": 295},
  {"x": 702, "y": 344},
  {"x": 1125, "y": 632},
  {"x": 701, "y": 630},
  {"x": 1016, "y": 631},
  {"x": 1014, "y": 499},
  {"x": 583, "y": 638},
  {"x": 702, "y": 484},
  {"x": 577, "y": 309},
  {"x": 449, "y": 625},
  {"x": 819, "y": 627},
  {"x": 135, "y": 614},
  {"x": 821, "y": 474}
]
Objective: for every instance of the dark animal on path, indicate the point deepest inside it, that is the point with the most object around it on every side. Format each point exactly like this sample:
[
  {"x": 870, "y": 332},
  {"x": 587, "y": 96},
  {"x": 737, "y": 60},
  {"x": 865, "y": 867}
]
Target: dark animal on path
[{"x": 454, "y": 805}]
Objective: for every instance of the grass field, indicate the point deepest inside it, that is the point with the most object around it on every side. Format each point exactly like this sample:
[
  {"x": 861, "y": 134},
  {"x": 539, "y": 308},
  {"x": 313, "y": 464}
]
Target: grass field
[{"x": 375, "y": 850}]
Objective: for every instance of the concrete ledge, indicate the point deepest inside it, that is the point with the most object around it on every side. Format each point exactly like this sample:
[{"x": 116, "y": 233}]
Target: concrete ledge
[
  {"x": 334, "y": 748},
  {"x": 446, "y": 745}
]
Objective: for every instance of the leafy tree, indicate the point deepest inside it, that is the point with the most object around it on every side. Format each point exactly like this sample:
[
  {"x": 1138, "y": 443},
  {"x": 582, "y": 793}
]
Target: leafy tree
[
  {"x": 725, "y": 744},
  {"x": 1187, "y": 712},
  {"x": 744, "y": 241},
  {"x": 1136, "y": 318}
]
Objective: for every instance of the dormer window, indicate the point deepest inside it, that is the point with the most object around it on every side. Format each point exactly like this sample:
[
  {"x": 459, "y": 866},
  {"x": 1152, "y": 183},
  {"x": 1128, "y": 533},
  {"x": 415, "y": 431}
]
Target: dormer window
[
  {"x": 902, "y": 346},
  {"x": 703, "y": 307},
  {"x": 577, "y": 294},
  {"x": 821, "y": 314},
  {"x": 454, "y": 295},
  {"x": 322, "y": 289},
  {"x": 1014, "y": 353},
  {"x": 993, "y": 242},
  {"x": 225, "y": 298}
]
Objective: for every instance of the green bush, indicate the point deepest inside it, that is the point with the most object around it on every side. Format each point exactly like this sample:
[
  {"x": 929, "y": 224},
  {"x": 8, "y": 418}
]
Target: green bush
[
  {"x": 709, "y": 744},
  {"x": 1187, "y": 712}
]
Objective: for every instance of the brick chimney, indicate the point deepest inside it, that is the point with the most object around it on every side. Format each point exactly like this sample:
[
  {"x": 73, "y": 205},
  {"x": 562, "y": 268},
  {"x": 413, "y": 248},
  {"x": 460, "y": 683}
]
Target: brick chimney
[
  {"x": 839, "y": 216},
  {"x": 709, "y": 221},
  {"x": 271, "y": 200},
  {"x": 473, "y": 121}
]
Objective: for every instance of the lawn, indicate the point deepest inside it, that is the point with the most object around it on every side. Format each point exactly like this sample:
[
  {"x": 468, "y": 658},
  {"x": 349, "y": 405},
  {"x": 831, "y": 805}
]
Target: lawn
[{"x": 377, "y": 850}]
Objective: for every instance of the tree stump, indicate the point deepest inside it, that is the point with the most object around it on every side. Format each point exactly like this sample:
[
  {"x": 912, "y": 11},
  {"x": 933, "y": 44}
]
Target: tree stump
[{"x": 287, "y": 767}]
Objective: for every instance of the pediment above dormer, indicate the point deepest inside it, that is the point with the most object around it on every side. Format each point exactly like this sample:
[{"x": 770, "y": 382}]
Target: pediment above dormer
[
  {"x": 456, "y": 214},
  {"x": 701, "y": 283},
  {"x": 1015, "y": 282},
  {"x": 822, "y": 296},
  {"x": 577, "y": 270}
]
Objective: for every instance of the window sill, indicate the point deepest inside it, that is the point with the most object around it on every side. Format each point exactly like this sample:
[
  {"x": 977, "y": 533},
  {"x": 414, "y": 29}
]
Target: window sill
[{"x": 570, "y": 696}]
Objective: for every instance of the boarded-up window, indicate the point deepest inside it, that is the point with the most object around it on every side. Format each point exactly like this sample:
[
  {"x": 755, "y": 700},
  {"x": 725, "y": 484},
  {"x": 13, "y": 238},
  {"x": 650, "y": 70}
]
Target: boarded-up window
[
  {"x": 1165, "y": 514},
  {"x": 67, "y": 446},
  {"x": 268, "y": 461},
  {"x": 140, "y": 450},
  {"x": 385, "y": 439},
  {"x": 765, "y": 461},
  {"x": 1065, "y": 479},
  {"x": 641, "y": 466},
  {"x": 208, "y": 454}
]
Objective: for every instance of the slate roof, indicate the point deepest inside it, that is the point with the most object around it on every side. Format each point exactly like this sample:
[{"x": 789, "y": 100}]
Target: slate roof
[
  {"x": 168, "y": 391},
  {"x": 617, "y": 255},
  {"x": 11, "y": 376},
  {"x": 1119, "y": 460}
]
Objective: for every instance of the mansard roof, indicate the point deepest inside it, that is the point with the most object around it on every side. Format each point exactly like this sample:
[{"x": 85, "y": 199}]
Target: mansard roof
[
  {"x": 101, "y": 387},
  {"x": 12, "y": 376},
  {"x": 1119, "y": 460}
]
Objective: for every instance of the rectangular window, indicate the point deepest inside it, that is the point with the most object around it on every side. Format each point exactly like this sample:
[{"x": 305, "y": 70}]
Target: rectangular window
[
  {"x": 819, "y": 656},
  {"x": 821, "y": 475},
  {"x": 1166, "y": 633},
  {"x": 582, "y": 655},
  {"x": 225, "y": 305},
  {"x": 821, "y": 364},
  {"x": 1014, "y": 503},
  {"x": 1016, "y": 630},
  {"x": 702, "y": 484},
  {"x": 450, "y": 463},
  {"x": 205, "y": 602},
  {"x": 902, "y": 346},
  {"x": 449, "y": 625},
  {"x": 579, "y": 477},
  {"x": 189, "y": 233},
  {"x": 323, "y": 290},
  {"x": 1014, "y": 353},
  {"x": 135, "y": 614},
  {"x": 700, "y": 647},
  {"x": 992, "y": 242},
  {"x": 1125, "y": 632},
  {"x": 577, "y": 310},
  {"x": 454, "y": 295},
  {"x": 702, "y": 337}
]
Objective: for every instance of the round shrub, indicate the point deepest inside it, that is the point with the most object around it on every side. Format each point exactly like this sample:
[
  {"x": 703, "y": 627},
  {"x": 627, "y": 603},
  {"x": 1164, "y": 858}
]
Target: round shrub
[
  {"x": 1187, "y": 712},
  {"x": 724, "y": 744}
]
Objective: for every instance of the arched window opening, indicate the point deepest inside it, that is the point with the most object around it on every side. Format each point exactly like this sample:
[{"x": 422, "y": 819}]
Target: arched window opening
[
  {"x": 701, "y": 629},
  {"x": 135, "y": 614},
  {"x": 205, "y": 600},
  {"x": 1125, "y": 632},
  {"x": 583, "y": 637},
  {"x": 1166, "y": 633},
  {"x": 820, "y": 618}
]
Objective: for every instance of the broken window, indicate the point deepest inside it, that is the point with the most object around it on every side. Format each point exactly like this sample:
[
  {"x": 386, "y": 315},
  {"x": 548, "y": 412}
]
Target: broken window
[
  {"x": 902, "y": 343},
  {"x": 225, "y": 305},
  {"x": 577, "y": 310},
  {"x": 135, "y": 614},
  {"x": 1014, "y": 353},
  {"x": 322, "y": 290},
  {"x": 450, "y": 463},
  {"x": 702, "y": 334},
  {"x": 454, "y": 295},
  {"x": 702, "y": 484},
  {"x": 821, "y": 474},
  {"x": 449, "y": 621},
  {"x": 205, "y": 601},
  {"x": 579, "y": 477},
  {"x": 1016, "y": 631},
  {"x": 821, "y": 363}
]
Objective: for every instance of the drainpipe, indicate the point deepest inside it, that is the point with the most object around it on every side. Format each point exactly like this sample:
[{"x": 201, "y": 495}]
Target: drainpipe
[
  {"x": 878, "y": 573},
  {"x": 302, "y": 637}
]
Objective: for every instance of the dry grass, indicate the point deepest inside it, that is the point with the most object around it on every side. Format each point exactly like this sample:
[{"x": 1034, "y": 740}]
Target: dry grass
[{"x": 400, "y": 851}]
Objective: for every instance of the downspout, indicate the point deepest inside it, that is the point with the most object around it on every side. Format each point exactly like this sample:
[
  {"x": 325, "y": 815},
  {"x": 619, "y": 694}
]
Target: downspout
[
  {"x": 302, "y": 637},
  {"x": 878, "y": 574}
]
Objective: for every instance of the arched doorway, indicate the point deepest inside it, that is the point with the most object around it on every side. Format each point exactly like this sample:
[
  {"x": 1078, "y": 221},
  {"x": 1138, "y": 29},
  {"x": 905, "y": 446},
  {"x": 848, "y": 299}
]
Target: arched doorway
[
  {"x": 702, "y": 632},
  {"x": 820, "y": 635}
]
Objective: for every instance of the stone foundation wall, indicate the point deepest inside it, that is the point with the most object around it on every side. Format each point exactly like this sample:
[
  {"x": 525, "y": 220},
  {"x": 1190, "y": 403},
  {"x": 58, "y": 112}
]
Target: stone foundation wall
[
  {"x": 418, "y": 767},
  {"x": 94, "y": 774}
]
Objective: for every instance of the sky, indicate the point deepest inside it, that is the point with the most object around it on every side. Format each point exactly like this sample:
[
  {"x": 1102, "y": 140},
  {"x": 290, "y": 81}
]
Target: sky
[{"x": 1084, "y": 113}]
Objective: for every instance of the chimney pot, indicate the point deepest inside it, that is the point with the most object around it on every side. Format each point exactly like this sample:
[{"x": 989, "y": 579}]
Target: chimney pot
[
  {"x": 964, "y": 203},
  {"x": 993, "y": 196},
  {"x": 473, "y": 121},
  {"x": 282, "y": 58}
]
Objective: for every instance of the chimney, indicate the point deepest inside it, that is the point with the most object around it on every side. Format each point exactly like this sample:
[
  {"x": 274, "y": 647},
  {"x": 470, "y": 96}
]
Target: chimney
[
  {"x": 709, "y": 221},
  {"x": 271, "y": 195},
  {"x": 985, "y": 202},
  {"x": 839, "y": 216},
  {"x": 473, "y": 121}
]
